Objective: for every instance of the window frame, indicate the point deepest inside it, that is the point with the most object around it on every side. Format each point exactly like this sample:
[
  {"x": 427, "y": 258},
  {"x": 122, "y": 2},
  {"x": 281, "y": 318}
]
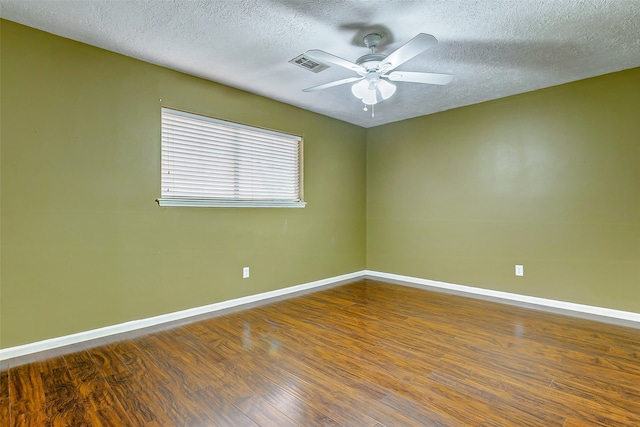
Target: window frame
[{"x": 195, "y": 201}]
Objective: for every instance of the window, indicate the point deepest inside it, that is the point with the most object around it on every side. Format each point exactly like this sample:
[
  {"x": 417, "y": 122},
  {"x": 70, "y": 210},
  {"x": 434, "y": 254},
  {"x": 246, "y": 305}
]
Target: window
[{"x": 210, "y": 162}]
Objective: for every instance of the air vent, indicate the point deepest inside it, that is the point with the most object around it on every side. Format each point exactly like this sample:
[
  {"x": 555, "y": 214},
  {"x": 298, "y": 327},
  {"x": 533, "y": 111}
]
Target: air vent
[{"x": 308, "y": 63}]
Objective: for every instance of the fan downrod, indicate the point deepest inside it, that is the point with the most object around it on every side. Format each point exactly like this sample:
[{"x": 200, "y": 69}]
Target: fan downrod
[{"x": 372, "y": 60}]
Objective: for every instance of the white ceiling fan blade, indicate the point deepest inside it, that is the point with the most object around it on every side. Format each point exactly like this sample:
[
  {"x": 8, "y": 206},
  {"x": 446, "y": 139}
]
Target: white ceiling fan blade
[
  {"x": 323, "y": 56},
  {"x": 417, "y": 77},
  {"x": 412, "y": 48},
  {"x": 332, "y": 84}
]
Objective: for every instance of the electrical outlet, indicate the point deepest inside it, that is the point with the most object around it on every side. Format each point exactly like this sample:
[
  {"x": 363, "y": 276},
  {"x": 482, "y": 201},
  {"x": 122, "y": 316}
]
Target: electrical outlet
[
  {"x": 245, "y": 272},
  {"x": 519, "y": 270}
]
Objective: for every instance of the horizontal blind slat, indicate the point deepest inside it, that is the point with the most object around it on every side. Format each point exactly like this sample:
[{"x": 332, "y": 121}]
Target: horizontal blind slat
[
  {"x": 206, "y": 141},
  {"x": 223, "y": 182},
  {"x": 222, "y": 166},
  {"x": 209, "y": 156},
  {"x": 202, "y": 123},
  {"x": 225, "y": 136},
  {"x": 228, "y": 131}
]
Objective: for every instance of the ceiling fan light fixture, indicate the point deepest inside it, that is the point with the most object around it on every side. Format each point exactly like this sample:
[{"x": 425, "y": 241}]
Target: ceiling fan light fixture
[
  {"x": 371, "y": 91},
  {"x": 366, "y": 91}
]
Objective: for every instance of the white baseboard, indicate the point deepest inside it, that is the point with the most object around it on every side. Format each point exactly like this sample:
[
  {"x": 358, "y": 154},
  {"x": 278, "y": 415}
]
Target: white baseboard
[
  {"x": 625, "y": 318},
  {"x": 49, "y": 344},
  {"x": 598, "y": 313}
]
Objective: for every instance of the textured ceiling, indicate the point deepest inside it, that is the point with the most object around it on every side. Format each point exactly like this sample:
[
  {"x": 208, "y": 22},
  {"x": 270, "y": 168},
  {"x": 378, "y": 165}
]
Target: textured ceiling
[{"x": 495, "y": 48}]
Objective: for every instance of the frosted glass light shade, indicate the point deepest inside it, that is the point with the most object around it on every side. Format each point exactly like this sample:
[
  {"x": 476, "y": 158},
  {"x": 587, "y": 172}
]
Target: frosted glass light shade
[
  {"x": 360, "y": 89},
  {"x": 386, "y": 89},
  {"x": 370, "y": 97}
]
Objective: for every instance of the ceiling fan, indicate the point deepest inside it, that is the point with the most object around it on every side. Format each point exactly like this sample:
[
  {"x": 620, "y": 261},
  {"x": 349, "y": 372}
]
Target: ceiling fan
[{"x": 375, "y": 69}]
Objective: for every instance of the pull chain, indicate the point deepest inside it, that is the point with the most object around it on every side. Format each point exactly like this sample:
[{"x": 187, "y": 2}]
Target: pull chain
[{"x": 373, "y": 110}]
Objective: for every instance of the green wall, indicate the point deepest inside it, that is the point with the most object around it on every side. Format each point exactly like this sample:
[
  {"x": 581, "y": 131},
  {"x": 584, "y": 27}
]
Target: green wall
[
  {"x": 548, "y": 179},
  {"x": 83, "y": 243}
]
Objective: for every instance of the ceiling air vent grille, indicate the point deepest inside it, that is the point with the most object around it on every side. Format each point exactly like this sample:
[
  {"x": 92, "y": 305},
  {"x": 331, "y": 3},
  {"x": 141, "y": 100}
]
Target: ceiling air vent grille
[{"x": 308, "y": 63}]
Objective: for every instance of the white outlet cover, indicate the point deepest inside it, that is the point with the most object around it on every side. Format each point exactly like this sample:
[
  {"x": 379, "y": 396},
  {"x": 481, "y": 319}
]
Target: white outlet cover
[
  {"x": 245, "y": 272},
  {"x": 519, "y": 270}
]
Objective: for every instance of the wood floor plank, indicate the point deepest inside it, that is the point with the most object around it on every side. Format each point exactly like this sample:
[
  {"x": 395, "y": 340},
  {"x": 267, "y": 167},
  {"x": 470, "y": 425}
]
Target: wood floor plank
[
  {"x": 101, "y": 404},
  {"x": 175, "y": 362},
  {"x": 302, "y": 412},
  {"x": 337, "y": 405},
  {"x": 4, "y": 397},
  {"x": 629, "y": 395},
  {"x": 220, "y": 410},
  {"x": 416, "y": 411},
  {"x": 505, "y": 398},
  {"x": 261, "y": 412},
  {"x": 590, "y": 412},
  {"x": 360, "y": 394},
  {"x": 230, "y": 388},
  {"x": 27, "y": 396},
  {"x": 361, "y": 354},
  {"x": 202, "y": 360},
  {"x": 605, "y": 408},
  {"x": 140, "y": 394},
  {"x": 64, "y": 404},
  {"x": 164, "y": 391}
]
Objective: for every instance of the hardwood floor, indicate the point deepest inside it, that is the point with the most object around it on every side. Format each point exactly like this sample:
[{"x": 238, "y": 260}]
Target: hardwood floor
[{"x": 362, "y": 354}]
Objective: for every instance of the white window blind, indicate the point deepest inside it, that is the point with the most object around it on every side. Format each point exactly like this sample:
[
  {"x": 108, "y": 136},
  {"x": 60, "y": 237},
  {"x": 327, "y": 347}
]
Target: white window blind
[{"x": 210, "y": 162}]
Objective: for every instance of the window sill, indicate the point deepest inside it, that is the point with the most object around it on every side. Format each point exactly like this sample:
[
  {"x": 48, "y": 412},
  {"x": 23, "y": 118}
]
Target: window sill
[{"x": 213, "y": 203}]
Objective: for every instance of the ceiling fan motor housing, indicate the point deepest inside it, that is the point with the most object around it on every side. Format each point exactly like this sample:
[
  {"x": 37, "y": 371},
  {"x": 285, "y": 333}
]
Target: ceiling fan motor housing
[{"x": 370, "y": 61}]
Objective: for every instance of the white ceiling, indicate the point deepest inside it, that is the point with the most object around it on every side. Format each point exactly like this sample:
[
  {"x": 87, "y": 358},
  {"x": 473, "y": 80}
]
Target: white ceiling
[{"x": 495, "y": 48}]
